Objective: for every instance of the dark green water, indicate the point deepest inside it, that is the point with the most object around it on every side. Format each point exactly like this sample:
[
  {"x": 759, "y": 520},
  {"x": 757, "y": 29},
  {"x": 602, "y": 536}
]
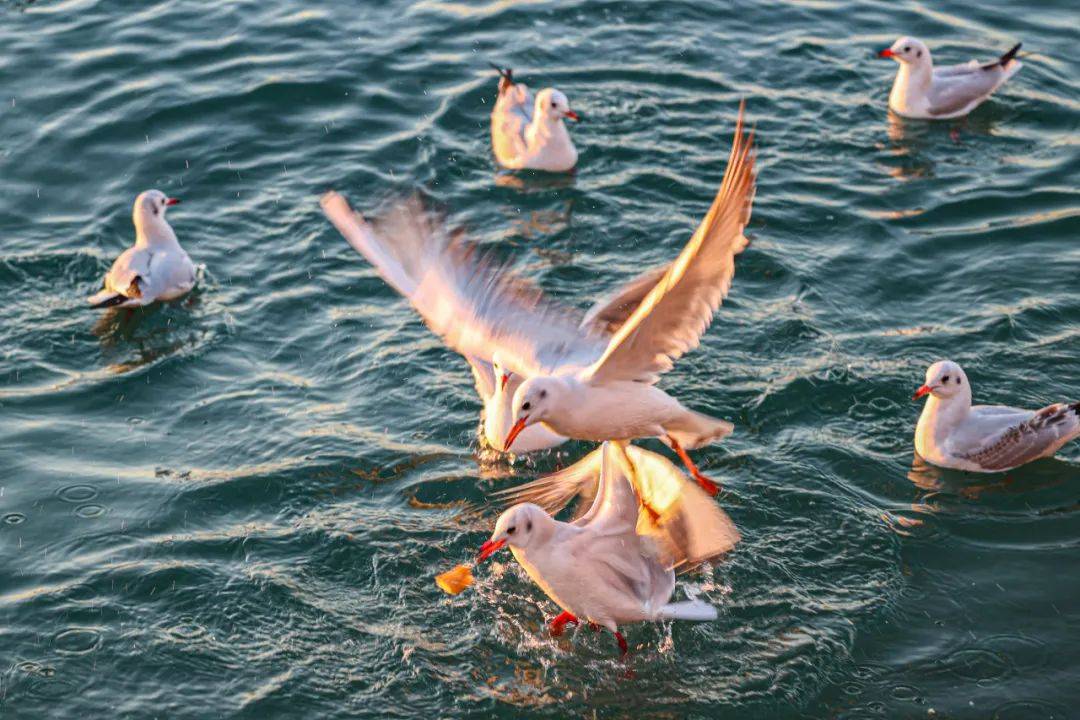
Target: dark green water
[{"x": 234, "y": 506}]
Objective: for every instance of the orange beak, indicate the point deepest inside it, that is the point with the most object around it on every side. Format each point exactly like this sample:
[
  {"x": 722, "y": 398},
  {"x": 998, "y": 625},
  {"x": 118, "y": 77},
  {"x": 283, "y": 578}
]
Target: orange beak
[
  {"x": 924, "y": 390},
  {"x": 490, "y": 548},
  {"x": 887, "y": 52},
  {"x": 172, "y": 201},
  {"x": 505, "y": 379},
  {"x": 571, "y": 115},
  {"x": 514, "y": 432}
]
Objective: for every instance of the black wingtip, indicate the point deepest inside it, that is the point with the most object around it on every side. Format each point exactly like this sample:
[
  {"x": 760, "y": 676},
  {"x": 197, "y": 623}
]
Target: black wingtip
[
  {"x": 506, "y": 76},
  {"x": 1009, "y": 55},
  {"x": 110, "y": 302}
]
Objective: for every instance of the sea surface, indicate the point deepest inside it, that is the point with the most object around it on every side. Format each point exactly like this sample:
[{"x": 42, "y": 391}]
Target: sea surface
[{"x": 234, "y": 505}]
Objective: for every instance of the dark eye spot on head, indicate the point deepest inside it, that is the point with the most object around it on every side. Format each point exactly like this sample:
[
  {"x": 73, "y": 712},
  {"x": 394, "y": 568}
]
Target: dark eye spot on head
[
  {"x": 957, "y": 379},
  {"x": 528, "y": 526},
  {"x": 918, "y": 54},
  {"x": 907, "y": 48},
  {"x": 526, "y": 406},
  {"x": 945, "y": 379},
  {"x": 510, "y": 530},
  {"x": 155, "y": 210},
  {"x": 543, "y": 393}
]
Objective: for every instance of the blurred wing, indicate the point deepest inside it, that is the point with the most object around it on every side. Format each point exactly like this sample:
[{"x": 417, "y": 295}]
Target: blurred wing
[
  {"x": 674, "y": 314},
  {"x": 554, "y": 492},
  {"x": 953, "y": 92},
  {"x": 611, "y": 312},
  {"x": 686, "y": 525},
  {"x": 1029, "y": 440},
  {"x": 615, "y": 508},
  {"x": 484, "y": 376},
  {"x": 476, "y": 305}
]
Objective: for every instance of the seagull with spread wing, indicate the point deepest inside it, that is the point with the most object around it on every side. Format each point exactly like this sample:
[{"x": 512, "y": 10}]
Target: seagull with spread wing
[
  {"x": 580, "y": 380},
  {"x": 616, "y": 563}
]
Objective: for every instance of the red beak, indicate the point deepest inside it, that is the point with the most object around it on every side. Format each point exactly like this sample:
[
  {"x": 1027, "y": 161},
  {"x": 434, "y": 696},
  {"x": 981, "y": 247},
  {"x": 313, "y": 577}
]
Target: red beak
[
  {"x": 172, "y": 201},
  {"x": 514, "y": 432},
  {"x": 505, "y": 379},
  {"x": 490, "y": 548},
  {"x": 887, "y": 52},
  {"x": 571, "y": 115},
  {"x": 924, "y": 390}
]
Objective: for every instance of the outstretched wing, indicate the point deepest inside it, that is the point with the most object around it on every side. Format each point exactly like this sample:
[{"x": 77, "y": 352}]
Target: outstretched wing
[
  {"x": 555, "y": 491},
  {"x": 610, "y": 313},
  {"x": 478, "y": 306},
  {"x": 1042, "y": 434},
  {"x": 676, "y": 312}
]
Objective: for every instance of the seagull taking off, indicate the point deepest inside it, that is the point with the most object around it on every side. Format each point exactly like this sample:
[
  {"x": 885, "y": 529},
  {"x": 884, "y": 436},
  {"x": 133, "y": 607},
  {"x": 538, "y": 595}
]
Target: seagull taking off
[
  {"x": 985, "y": 438},
  {"x": 616, "y": 563},
  {"x": 155, "y": 267},
  {"x": 529, "y": 133},
  {"x": 924, "y": 92}
]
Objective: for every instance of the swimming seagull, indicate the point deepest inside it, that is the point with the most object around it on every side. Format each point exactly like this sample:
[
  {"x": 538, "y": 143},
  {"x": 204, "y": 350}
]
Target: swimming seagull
[
  {"x": 985, "y": 438},
  {"x": 529, "y": 133},
  {"x": 616, "y": 563},
  {"x": 419, "y": 260},
  {"x": 579, "y": 381},
  {"x": 155, "y": 267},
  {"x": 922, "y": 91}
]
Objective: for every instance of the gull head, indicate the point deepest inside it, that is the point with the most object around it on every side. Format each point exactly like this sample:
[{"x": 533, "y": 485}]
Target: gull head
[
  {"x": 518, "y": 526},
  {"x": 908, "y": 51},
  {"x": 553, "y": 105},
  {"x": 148, "y": 214},
  {"x": 503, "y": 375},
  {"x": 533, "y": 402},
  {"x": 944, "y": 380}
]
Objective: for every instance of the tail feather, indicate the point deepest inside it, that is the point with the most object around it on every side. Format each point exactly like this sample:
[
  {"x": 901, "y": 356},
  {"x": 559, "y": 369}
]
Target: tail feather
[
  {"x": 696, "y": 429},
  {"x": 696, "y": 610},
  {"x": 1007, "y": 57}
]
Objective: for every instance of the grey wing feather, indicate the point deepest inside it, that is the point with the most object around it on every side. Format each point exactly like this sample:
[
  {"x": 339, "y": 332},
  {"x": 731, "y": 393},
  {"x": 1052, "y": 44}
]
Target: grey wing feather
[
  {"x": 953, "y": 92},
  {"x": 1043, "y": 434}
]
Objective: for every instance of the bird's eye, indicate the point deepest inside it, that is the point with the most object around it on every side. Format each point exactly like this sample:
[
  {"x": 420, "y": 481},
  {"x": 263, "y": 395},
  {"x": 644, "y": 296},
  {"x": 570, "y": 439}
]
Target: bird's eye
[
  {"x": 945, "y": 379},
  {"x": 552, "y": 103},
  {"x": 543, "y": 393},
  {"x": 510, "y": 530},
  {"x": 907, "y": 48},
  {"x": 528, "y": 526},
  {"x": 526, "y": 406},
  {"x": 958, "y": 381}
]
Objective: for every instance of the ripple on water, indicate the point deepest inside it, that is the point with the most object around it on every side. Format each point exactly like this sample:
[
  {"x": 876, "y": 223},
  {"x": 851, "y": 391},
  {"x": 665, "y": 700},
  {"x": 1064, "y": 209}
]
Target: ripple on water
[
  {"x": 978, "y": 664},
  {"x": 1030, "y": 710},
  {"x": 77, "y": 493},
  {"x": 90, "y": 510},
  {"x": 77, "y": 641}
]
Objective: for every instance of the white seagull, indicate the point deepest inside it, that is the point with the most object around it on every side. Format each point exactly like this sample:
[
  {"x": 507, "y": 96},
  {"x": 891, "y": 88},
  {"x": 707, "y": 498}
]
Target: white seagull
[
  {"x": 985, "y": 438},
  {"x": 529, "y": 133},
  {"x": 925, "y": 92},
  {"x": 580, "y": 382},
  {"x": 616, "y": 563},
  {"x": 155, "y": 267},
  {"x": 587, "y": 392},
  {"x": 413, "y": 266}
]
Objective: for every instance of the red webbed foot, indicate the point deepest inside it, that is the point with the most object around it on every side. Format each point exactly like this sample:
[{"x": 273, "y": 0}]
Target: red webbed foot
[{"x": 559, "y": 624}]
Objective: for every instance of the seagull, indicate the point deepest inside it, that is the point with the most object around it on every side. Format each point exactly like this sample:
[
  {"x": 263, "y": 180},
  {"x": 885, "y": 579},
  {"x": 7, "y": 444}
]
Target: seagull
[
  {"x": 580, "y": 382},
  {"x": 611, "y": 395},
  {"x": 155, "y": 267},
  {"x": 616, "y": 563},
  {"x": 412, "y": 267},
  {"x": 529, "y": 133},
  {"x": 924, "y": 92},
  {"x": 985, "y": 438}
]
